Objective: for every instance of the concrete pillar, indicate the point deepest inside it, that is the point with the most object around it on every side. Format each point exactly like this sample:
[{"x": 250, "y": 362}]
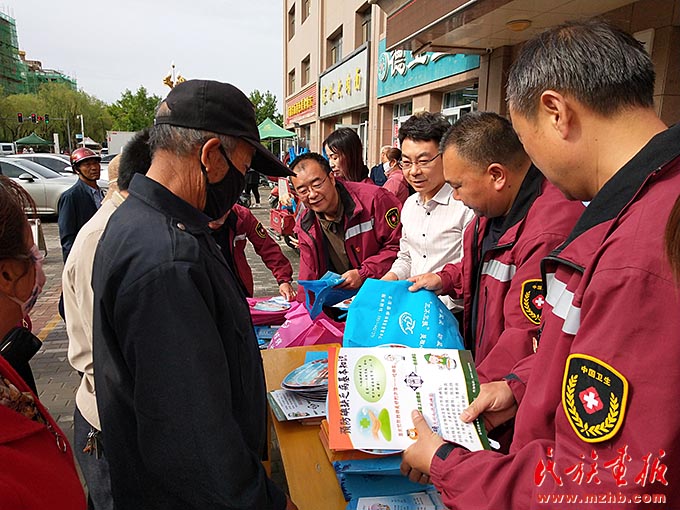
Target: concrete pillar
[{"x": 493, "y": 74}]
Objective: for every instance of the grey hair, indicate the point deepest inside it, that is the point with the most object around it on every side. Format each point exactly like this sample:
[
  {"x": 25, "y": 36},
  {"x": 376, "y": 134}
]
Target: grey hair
[
  {"x": 183, "y": 141},
  {"x": 599, "y": 65}
]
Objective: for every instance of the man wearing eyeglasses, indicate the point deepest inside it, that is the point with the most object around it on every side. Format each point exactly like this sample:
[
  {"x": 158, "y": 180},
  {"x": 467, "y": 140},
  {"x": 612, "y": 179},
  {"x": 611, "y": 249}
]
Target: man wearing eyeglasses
[
  {"x": 433, "y": 222},
  {"x": 350, "y": 228},
  {"x": 521, "y": 218}
]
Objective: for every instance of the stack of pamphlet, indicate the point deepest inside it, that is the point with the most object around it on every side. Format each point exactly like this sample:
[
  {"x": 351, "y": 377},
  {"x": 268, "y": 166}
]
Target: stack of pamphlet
[
  {"x": 427, "y": 500},
  {"x": 334, "y": 455},
  {"x": 304, "y": 392},
  {"x": 309, "y": 380},
  {"x": 264, "y": 335},
  {"x": 378, "y": 476}
]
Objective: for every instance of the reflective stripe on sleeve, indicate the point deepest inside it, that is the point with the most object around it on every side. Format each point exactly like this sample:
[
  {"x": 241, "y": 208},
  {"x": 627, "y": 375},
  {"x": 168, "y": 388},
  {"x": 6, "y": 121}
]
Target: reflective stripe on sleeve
[
  {"x": 499, "y": 271},
  {"x": 561, "y": 301},
  {"x": 366, "y": 226}
]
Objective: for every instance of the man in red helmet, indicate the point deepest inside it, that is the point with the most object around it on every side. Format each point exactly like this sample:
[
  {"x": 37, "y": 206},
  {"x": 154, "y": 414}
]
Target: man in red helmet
[{"x": 79, "y": 203}]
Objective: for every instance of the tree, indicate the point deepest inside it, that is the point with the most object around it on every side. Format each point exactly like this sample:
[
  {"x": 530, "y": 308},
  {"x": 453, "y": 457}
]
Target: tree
[
  {"x": 133, "y": 112},
  {"x": 265, "y": 107},
  {"x": 63, "y": 105}
]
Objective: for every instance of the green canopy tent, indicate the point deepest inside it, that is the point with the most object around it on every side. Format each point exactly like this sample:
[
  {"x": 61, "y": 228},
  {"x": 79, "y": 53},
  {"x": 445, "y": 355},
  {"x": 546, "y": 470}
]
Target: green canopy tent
[
  {"x": 32, "y": 139},
  {"x": 270, "y": 131}
]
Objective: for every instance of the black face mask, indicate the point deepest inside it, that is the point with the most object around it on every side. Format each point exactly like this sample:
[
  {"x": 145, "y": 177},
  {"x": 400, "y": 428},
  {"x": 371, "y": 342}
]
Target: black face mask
[{"x": 221, "y": 196}]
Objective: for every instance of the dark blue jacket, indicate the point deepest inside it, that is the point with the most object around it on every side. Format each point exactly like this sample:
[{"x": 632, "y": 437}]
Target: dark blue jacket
[
  {"x": 76, "y": 207},
  {"x": 179, "y": 377},
  {"x": 377, "y": 174}
]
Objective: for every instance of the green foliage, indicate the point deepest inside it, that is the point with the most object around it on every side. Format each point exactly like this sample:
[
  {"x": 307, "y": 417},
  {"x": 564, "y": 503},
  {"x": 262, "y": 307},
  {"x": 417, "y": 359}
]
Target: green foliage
[
  {"x": 63, "y": 105},
  {"x": 133, "y": 112},
  {"x": 265, "y": 107}
]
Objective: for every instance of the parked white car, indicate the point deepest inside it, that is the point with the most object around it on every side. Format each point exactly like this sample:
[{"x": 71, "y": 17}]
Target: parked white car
[{"x": 43, "y": 184}]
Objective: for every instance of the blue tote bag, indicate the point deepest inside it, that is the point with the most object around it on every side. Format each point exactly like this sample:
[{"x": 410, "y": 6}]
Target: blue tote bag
[
  {"x": 323, "y": 292},
  {"x": 386, "y": 312}
]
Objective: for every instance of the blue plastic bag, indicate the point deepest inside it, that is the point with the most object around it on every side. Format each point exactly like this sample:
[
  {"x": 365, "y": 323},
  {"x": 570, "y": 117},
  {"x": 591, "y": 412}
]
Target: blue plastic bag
[
  {"x": 386, "y": 312},
  {"x": 322, "y": 292}
]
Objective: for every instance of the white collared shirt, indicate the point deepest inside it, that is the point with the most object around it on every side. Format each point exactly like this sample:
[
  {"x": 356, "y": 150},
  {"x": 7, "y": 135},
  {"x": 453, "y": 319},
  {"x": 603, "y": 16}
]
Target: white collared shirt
[{"x": 432, "y": 234}]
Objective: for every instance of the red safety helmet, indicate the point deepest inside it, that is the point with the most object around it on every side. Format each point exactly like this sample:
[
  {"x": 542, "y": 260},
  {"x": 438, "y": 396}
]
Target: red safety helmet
[{"x": 80, "y": 155}]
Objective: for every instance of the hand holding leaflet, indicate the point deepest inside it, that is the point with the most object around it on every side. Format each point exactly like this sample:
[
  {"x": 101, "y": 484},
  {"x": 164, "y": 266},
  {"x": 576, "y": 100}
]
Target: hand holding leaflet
[{"x": 372, "y": 392}]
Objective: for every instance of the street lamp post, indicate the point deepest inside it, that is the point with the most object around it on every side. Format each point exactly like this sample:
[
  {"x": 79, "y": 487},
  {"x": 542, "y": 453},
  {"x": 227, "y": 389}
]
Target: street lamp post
[{"x": 82, "y": 128}]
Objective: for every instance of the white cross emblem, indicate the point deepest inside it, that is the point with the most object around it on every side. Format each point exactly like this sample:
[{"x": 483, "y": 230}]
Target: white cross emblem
[{"x": 591, "y": 400}]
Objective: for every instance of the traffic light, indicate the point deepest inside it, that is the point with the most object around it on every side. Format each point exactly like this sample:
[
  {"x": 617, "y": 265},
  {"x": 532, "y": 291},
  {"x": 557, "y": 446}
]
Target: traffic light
[
  {"x": 33, "y": 118},
  {"x": 20, "y": 117},
  {"x": 47, "y": 118}
]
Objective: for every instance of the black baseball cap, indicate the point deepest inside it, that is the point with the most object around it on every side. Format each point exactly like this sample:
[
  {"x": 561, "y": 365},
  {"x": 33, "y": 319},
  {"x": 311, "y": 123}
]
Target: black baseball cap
[{"x": 220, "y": 108}]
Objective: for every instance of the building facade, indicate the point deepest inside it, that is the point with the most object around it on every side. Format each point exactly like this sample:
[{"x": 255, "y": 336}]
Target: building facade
[
  {"x": 371, "y": 64},
  {"x": 17, "y": 74},
  {"x": 338, "y": 73}
]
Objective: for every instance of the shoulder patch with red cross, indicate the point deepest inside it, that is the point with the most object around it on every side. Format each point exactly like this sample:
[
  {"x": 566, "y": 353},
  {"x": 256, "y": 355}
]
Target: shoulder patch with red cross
[
  {"x": 259, "y": 229},
  {"x": 392, "y": 217},
  {"x": 532, "y": 299},
  {"x": 594, "y": 397}
]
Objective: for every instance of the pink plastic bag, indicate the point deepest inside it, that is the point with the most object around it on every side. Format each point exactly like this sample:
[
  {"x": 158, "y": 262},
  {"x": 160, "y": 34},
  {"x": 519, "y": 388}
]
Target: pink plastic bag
[{"x": 299, "y": 329}]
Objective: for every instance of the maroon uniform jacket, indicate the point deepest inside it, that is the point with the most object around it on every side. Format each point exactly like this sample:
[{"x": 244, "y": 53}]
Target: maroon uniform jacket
[
  {"x": 599, "y": 421},
  {"x": 372, "y": 232},
  {"x": 510, "y": 294},
  {"x": 240, "y": 225}
]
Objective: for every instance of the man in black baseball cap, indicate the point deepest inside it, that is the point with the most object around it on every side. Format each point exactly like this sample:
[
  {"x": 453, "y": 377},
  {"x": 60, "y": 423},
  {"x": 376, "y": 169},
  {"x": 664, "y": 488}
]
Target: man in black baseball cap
[
  {"x": 178, "y": 372},
  {"x": 221, "y": 108}
]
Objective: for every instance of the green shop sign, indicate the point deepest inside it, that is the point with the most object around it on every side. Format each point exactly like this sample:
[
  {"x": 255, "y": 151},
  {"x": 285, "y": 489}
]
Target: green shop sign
[{"x": 399, "y": 70}]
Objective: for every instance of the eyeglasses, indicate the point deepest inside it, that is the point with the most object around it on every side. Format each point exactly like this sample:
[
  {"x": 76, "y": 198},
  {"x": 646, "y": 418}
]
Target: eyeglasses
[
  {"x": 421, "y": 163},
  {"x": 303, "y": 192}
]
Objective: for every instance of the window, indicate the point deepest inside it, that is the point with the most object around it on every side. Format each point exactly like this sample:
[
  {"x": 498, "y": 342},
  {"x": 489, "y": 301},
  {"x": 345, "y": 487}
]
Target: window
[
  {"x": 335, "y": 48},
  {"x": 291, "y": 23},
  {"x": 363, "y": 24},
  {"x": 400, "y": 114},
  {"x": 403, "y": 109},
  {"x": 291, "y": 82},
  {"x": 306, "y": 9},
  {"x": 457, "y": 103},
  {"x": 305, "y": 71},
  {"x": 10, "y": 170}
]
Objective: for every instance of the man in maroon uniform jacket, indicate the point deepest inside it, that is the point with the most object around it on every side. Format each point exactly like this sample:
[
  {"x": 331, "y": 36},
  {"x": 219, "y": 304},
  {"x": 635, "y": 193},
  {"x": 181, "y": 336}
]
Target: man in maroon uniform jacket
[{"x": 589, "y": 423}]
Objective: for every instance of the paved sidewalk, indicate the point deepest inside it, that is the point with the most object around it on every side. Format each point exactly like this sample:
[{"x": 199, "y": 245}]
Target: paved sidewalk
[{"x": 57, "y": 381}]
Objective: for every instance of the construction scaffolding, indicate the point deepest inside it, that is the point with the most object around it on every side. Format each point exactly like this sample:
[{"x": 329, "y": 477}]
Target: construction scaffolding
[
  {"x": 17, "y": 74},
  {"x": 12, "y": 69},
  {"x": 35, "y": 78}
]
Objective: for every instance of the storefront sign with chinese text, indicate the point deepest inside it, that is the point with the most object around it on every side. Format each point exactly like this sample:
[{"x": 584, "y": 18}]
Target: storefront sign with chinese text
[
  {"x": 345, "y": 87},
  {"x": 399, "y": 70}
]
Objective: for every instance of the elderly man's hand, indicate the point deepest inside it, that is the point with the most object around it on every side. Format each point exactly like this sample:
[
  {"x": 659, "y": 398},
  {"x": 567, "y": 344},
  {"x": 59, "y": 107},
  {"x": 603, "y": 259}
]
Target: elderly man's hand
[
  {"x": 495, "y": 403},
  {"x": 429, "y": 281},
  {"x": 416, "y": 460},
  {"x": 286, "y": 290},
  {"x": 352, "y": 280}
]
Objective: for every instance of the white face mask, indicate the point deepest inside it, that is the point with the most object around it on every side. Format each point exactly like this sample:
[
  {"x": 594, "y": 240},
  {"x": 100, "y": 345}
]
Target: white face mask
[
  {"x": 40, "y": 279},
  {"x": 386, "y": 167}
]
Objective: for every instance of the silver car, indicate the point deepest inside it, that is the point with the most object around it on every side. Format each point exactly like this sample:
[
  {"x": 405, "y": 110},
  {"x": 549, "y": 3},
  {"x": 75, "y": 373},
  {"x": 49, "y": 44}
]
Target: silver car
[
  {"x": 43, "y": 184},
  {"x": 61, "y": 163}
]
